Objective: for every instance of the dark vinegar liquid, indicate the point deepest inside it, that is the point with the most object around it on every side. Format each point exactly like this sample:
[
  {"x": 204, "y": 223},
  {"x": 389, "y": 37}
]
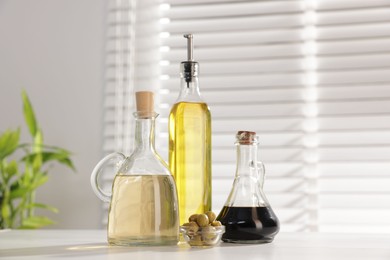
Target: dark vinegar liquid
[{"x": 249, "y": 224}]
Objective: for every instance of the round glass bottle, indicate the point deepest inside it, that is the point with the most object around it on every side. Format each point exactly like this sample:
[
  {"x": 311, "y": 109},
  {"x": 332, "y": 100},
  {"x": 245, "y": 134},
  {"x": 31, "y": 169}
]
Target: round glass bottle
[
  {"x": 247, "y": 215},
  {"x": 143, "y": 204}
]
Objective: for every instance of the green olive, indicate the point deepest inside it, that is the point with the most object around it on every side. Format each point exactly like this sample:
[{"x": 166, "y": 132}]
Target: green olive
[
  {"x": 211, "y": 215},
  {"x": 201, "y": 229},
  {"x": 196, "y": 241},
  {"x": 193, "y": 227},
  {"x": 208, "y": 229},
  {"x": 208, "y": 233},
  {"x": 202, "y": 220},
  {"x": 216, "y": 223},
  {"x": 193, "y": 217}
]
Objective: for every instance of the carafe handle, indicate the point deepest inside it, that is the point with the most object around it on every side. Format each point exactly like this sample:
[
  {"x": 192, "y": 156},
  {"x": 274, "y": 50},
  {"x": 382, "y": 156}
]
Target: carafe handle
[
  {"x": 261, "y": 168},
  {"x": 113, "y": 158}
]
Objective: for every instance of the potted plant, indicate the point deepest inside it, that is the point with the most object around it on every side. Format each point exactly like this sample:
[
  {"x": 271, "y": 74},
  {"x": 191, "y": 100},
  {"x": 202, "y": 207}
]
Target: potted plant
[{"x": 24, "y": 168}]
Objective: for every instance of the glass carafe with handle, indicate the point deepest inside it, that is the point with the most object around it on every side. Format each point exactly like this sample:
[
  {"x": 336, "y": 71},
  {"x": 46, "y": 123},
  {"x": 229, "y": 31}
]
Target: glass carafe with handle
[
  {"x": 247, "y": 214},
  {"x": 143, "y": 203}
]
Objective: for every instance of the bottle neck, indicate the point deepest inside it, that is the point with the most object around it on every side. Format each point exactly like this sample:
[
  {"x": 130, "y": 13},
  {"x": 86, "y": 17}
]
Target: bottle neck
[
  {"x": 144, "y": 134},
  {"x": 247, "y": 160},
  {"x": 189, "y": 91}
]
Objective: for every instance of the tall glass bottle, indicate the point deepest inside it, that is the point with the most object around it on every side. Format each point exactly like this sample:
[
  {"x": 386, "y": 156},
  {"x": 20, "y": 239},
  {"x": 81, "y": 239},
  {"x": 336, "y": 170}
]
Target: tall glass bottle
[
  {"x": 247, "y": 215},
  {"x": 143, "y": 208},
  {"x": 190, "y": 142}
]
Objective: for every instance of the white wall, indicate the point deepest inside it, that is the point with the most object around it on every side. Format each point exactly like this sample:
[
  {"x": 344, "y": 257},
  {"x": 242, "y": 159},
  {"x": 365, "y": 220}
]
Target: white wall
[{"x": 54, "y": 49}]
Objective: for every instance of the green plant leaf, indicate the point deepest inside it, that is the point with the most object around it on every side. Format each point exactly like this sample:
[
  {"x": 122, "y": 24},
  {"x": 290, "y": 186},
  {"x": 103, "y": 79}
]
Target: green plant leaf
[
  {"x": 43, "y": 206},
  {"x": 5, "y": 211},
  {"x": 37, "y": 162},
  {"x": 68, "y": 163},
  {"x": 39, "y": 179},
  {"x": 9, "y": 142},
  {"x": 61, "y": 156},
  {"x": 10, "y": 170},
  {"x": 28, "y": 174},
  {"x": 38, "y": 141},
  {"x": 19, "y": 192},
  {"x": 29, "y": 115},
  {"x": 22, "y": 188},
  {"x": 36, "y": 222}
]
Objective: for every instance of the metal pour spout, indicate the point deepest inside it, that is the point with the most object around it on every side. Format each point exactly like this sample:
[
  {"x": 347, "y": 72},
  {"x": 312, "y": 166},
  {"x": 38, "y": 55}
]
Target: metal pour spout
[
  {"x": 189, "y": 68},
  {"x": 190, "y": 47}
]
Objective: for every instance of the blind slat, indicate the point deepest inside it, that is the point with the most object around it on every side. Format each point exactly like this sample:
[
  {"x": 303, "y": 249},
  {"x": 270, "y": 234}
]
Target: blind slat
[
  {"x": 228, "y": 8},
  {"x": 332, "y": 93},
  {"x": 372, "y": 61},
  {"x": 249, "y": 52}
]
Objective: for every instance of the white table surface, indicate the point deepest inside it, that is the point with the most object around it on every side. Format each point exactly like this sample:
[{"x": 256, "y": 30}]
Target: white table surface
[{"x": 91, "y": 244}]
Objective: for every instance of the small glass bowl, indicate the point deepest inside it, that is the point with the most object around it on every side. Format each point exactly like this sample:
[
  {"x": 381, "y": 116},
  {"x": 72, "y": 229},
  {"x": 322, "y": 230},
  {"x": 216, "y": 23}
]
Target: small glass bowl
[{"x": 204, "y": 237}]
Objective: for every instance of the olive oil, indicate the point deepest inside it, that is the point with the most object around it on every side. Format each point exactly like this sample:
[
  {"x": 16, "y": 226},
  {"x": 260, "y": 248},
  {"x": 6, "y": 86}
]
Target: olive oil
[
  {"x": 190, "y": 142},
  {"x": 190, "y": 156},
  {"x": 141, "y": 211}
]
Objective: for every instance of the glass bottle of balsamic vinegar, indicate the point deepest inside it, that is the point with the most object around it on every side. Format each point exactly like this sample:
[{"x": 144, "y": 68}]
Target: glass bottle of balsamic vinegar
[
  {"x": 190, "y": 142},
  {"x": 247, "y": 215}
]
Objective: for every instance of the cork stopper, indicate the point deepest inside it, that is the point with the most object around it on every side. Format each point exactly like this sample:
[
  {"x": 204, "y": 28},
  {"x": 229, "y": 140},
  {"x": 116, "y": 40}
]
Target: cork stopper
[
  {"x": 246, "y": 137},
  {"x": 145, "y": 103}
]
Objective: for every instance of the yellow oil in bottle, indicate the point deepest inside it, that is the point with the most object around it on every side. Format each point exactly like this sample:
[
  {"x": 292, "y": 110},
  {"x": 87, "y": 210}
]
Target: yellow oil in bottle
[{"x": 190, "y": 156}]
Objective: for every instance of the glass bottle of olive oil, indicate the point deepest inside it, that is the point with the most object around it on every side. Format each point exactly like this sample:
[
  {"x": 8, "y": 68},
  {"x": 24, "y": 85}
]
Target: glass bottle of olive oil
[{"x": 190, "y": 142}]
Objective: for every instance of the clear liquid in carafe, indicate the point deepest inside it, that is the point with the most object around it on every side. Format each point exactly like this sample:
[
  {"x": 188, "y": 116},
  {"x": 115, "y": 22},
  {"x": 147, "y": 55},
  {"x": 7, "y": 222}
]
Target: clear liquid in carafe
[{"x": 143, "y": 211}]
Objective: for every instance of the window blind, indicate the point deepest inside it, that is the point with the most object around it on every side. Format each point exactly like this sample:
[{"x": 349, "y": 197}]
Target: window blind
[
  {"x": 250, "y": 57},
  {"x": 310, "y": 77},
  {"x": 132, "y": 63}
]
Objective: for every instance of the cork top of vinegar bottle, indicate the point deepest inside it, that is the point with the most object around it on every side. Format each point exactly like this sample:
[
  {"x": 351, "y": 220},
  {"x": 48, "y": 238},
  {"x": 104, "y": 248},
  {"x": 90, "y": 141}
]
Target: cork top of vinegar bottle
[{"x": 246, "y": 137}]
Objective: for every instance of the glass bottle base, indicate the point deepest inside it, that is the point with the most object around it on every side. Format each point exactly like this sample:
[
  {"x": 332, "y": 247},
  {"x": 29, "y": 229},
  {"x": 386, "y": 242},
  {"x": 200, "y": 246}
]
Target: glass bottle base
[
  {"x": 249, "y": 225},
  {"x": 143, "y": 241},
  {"x": 262, "y": 241}
]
